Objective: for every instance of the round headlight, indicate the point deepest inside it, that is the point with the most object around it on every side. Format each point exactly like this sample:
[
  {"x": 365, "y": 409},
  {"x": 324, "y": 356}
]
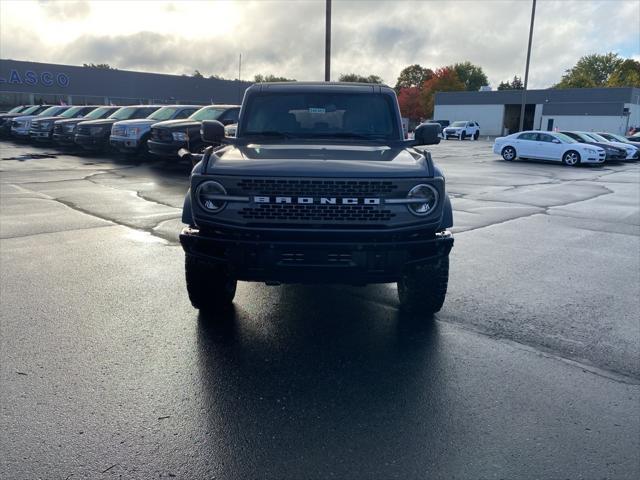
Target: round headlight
[
  {"x": 207, "y": 195},
  {"x": 426, "y": 199}
]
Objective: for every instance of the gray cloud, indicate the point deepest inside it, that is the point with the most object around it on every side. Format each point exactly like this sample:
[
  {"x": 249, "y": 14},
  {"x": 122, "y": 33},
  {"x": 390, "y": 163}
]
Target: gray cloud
[{"x": 369, "y": 37}]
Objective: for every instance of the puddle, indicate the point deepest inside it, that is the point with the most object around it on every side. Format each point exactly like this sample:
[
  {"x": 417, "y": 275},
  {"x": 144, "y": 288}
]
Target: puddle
[{"x": 31, "y": 156}]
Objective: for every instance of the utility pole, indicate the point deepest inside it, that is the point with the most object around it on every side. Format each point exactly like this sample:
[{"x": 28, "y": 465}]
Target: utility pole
[
  {"x": 327, "y": 44},
  {"x": 240, "y": 79},
  {"x": 526, "y": 70}
]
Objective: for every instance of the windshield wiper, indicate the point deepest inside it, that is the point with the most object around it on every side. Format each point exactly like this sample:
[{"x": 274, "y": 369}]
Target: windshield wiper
[
  {"x": 270, "y": 133},
  {"x": 357, "y": 136}
]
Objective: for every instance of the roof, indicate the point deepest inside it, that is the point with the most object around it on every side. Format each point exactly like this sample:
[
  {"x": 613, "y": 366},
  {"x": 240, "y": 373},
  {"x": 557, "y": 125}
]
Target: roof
[
  {"x": 314, "y": 86},
  {"x": 569, "y": 95}
]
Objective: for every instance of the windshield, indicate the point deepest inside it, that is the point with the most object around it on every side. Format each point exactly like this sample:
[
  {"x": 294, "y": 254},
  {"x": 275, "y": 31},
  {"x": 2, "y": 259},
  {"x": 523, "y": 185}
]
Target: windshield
[
  {"x": 49, "y": 112},
  {"x": 124, "y": 113},
  {"x": 165, "y": 113},
  {"x": 207, "y": 113},
  {"x": 16, "y": 109},
  {"x": 72, "y": 112},
  {"x": 326, "y": 115},
  {"x": 98, "y": 113},
  {"x": 31, "y": 110},
  {"x": 458, "y": 124},
  {"x": 614, "y": 138},
  {"x": 564, "y": 138},
  {"x": 597, "y": 137}
]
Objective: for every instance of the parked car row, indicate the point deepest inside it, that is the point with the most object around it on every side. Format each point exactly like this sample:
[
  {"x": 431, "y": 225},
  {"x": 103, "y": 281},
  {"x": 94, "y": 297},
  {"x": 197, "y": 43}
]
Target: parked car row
[
  {"x": 569, "y": 147},
  {"x": 160, "y": 129}
]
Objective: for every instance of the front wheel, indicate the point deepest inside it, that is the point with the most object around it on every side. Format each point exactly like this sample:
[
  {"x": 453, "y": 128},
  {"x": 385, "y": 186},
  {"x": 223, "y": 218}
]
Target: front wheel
[
  {"x": 571, "y": 158},
  {"x": 476, "y": 135},
  {"x": 509, "y": 153},
  {"x": 209, "y": 286},
  {"x": 424, "y": 289}
]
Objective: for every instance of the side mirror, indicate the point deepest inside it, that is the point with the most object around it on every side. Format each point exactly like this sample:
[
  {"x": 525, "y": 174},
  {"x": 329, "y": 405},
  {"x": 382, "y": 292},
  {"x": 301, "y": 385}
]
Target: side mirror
[
  {"x": 428, "y": 134},
  {"x": 555, "y": 140},
  {"x": 212, "y": 131}
]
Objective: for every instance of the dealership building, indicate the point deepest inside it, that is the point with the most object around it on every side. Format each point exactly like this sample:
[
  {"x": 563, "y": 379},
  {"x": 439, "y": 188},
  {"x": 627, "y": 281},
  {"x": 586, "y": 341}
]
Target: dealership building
[
  {"x": 31, "y": 82},
  {"x": 498, "y": 112}
]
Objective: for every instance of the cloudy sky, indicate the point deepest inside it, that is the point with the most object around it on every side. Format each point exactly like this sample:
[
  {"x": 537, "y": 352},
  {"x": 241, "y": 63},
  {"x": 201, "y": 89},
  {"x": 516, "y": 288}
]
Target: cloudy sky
[{"x": 286, "y": 38}]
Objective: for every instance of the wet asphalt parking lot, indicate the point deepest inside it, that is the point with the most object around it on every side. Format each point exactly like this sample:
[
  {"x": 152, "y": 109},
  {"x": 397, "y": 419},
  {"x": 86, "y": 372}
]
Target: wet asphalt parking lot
[{"x": 531, "y": 369}]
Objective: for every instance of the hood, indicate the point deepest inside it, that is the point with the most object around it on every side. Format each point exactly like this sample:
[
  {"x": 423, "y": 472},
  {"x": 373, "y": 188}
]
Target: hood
[
  {"x": 97, "y": 123},
  {"x": 177, "y": 124},
  {"x": 70, "y": 121},
  {"x": 624, "y": 146},
  {"x": 293, "y": 160},
  {"x": 9, "y": 115},
  {"x": 49, "y": 119},
  {"x": 24, "y": 117},
  {"x": 136, "y": 122}
]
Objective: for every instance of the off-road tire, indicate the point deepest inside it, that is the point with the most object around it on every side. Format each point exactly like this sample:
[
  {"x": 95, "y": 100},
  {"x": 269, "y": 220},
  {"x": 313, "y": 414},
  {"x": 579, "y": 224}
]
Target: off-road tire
[
  {"x": 210, "y": 286},
  {"x": 571, "y": 158},
  {"x": 509, "y": 153},
  {"x": 424, "y": 289}
]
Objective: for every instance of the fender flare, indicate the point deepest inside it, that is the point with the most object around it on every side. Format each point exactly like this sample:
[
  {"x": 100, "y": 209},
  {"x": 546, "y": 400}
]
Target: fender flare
[
  {"x": 187, "y": 212},
  {"x": 447, "y": 214}
]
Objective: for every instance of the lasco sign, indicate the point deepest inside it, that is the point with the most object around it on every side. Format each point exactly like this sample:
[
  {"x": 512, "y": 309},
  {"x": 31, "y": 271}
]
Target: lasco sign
[{"x": 29, "y": 77}]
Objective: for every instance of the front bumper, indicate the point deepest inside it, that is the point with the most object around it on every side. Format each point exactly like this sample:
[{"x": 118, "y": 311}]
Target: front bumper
[
  {"x": 20, "y": 132},
  {"x": 282, "y": 261},
  {"x": 63, "y": 138},
  {"x": 40, "y": 135},
  {"x": 90, "y": 142},
  {"x": 165, "y": 149},
  {"x": 124, "y": 144}
]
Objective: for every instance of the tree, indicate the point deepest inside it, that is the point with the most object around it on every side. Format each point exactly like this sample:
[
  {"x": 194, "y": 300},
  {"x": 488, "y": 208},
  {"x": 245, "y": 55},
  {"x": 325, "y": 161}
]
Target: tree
[
  {"x": 516, "y": 84},
  {"x": 354, "y": 77},
  {"x": 259, "y": 78},
  {"x": 413, "y": 76},
  {"x": 626, "y": 75},
  {"x": 197, "y": 74},
  {"x": 444, "y": 80},
  {"x": 410, "y": 102},
  {"x": 471, "y": 75},
  {"x": 591, "y": 71},
  {"x": 103, "y": 66}
]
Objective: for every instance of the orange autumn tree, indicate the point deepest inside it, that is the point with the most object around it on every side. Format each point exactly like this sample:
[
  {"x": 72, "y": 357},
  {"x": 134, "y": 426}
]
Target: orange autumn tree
[
  {"x": 410, "y": 102},
  {"x": 444, "y": 79}
]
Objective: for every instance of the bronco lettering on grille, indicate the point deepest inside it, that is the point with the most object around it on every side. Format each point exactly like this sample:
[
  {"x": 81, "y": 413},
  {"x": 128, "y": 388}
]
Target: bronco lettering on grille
[{"x": 317, "y": 200}]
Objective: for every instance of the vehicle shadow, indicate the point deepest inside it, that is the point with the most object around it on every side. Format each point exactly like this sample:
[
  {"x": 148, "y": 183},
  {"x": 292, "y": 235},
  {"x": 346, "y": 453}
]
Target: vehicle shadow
[{"x": 320, "y": 386}]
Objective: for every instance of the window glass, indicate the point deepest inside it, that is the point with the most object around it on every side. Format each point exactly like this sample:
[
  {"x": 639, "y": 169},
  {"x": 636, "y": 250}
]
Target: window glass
[
  {"x": 51, "y": 111},
  {"x": 164, "y": 113},
  {"x": 100, "y": 112},
  {"x": 458, "y": 124},
  {"x": 124, "y": 113},
  {"x": 184, "y": 113},
  {"x": 543, "y": 137},
  {"x": 597, "y": 137},
  {"x": 72, "y": 112},
  {"x": 528, "y": 136},
  {"x": 322, "y": 114},
  {"x": 207, "y": 113},
  {"x": 564, "y": 138}
]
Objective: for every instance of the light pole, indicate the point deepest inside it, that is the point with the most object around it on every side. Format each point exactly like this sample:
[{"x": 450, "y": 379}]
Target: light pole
[
  {"x": 526, "y": 70},
  {"x": 327, "y": 43}
]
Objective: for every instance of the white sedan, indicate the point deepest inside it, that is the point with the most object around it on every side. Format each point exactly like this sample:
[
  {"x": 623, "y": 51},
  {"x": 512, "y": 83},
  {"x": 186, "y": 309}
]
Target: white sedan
[
  {"x": 547, "y": 146},
  {"x": 632, "y": 151}
]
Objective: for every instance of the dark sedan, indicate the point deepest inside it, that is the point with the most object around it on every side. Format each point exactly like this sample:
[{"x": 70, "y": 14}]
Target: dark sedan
[{"x": 612, "y": 153}]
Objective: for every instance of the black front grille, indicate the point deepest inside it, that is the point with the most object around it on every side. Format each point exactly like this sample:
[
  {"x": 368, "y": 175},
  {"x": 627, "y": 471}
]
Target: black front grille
[
  {"x": 316, "y": 188},
  {"x": 83, "y": 130},
  {"x": 310, "y": 257},
  {"x": 161, "y": 135},
  {"x": 321, "y": 213}
]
